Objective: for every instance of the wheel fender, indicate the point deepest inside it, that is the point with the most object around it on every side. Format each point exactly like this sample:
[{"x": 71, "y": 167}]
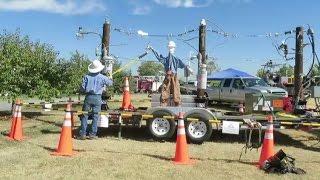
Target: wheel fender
[
  {"x": 208, "y": 114},
  {"x": 152, "y": 110}
]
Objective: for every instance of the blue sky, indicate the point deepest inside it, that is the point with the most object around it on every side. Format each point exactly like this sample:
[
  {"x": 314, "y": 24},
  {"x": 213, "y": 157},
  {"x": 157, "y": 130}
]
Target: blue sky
[{"x": 56, "y": 21}]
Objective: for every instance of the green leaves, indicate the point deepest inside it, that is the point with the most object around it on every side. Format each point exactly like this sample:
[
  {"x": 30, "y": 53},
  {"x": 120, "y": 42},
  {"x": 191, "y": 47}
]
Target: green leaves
[
  {"x": 150, "y": 68},
  {"x": 34, "y": 69}
]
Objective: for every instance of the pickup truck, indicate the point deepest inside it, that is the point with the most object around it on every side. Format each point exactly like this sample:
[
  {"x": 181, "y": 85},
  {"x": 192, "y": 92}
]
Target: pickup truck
[{"x": 233, "y": 90}]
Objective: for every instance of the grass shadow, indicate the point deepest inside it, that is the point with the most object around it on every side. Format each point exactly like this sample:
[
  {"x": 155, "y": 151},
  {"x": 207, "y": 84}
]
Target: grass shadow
[
  {"x": 158, "y": 157},
  {"x": 280, "y": 138},
  {"x": 49, "y": 122},
  {"x": 47, "y": 131},
  {"x": 127, "y": 132}
]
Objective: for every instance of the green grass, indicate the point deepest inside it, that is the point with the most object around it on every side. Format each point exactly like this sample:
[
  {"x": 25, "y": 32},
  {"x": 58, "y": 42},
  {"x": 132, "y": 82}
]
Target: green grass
[{"x": 137, "y": 156}]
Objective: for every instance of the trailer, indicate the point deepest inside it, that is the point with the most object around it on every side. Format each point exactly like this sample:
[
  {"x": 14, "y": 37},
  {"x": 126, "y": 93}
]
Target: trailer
[{"x": 161, "y": 122}]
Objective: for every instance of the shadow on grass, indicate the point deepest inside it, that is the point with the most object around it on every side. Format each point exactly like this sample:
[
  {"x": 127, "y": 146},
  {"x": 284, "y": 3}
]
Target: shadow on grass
[
  {"x": 132, "y": 133},
  {"x": 158, "y": 157},
  {"x": 48, "y": 131},
  {"x": 6, "y": 115},
  {"x": 49, "y": 122},
  {"x": 50, "y": 149},
  {"x": 280, "y": 138}
]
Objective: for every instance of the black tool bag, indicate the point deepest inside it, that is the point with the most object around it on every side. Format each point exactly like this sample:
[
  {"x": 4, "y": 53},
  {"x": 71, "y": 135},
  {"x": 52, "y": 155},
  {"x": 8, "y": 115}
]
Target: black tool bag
[{"x": 281, "y": 163}]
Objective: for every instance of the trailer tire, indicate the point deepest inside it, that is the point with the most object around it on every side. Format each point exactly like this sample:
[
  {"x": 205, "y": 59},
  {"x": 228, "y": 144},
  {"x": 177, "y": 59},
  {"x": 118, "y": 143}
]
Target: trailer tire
[
  {"x": 161, "y": 128},
  {"x": 198, "y": 131}
]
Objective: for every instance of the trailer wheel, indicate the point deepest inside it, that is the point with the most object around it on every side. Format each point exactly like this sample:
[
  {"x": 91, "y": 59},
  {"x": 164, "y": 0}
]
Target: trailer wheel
[
  {"x": 198, "y": 131},
  {"x": 160, "y": 127}
]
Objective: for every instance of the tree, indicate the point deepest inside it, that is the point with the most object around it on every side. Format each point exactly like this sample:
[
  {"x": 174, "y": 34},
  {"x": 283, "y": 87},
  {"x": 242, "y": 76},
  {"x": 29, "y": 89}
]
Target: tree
[
  {"x": 118, "y": 79},
  {"x": 212, "y": 66},
  {"x": 260, "y": 73},
  {"x": 74, "y": 71},
  {"x": 26, "y": 67},
  {"x": 285, "y": 70},
  {"x": 150, "y": 68}
]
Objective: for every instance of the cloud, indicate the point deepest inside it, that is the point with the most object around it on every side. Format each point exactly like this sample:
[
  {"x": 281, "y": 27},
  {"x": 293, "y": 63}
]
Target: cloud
[
  {"x": 184, "y": 3},
  {"x": 139, "y": 7},
  {"x": 141, "y": 10},
  {"x": 67, "y": 7},
  {"x": 195, "y": 3}
]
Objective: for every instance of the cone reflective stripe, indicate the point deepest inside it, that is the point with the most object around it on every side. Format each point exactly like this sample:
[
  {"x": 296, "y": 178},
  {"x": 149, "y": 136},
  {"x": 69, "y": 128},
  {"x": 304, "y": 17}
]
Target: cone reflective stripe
[
  {"x": 126, "y": 85},
  {"x": 67, "y": 124},
  {"x": 65, "y": 147},
  {"x": 126, "y": 102},
  {"x": 181, "y": 155},
  {"x": 16, "y": 126},
  {"x": 181, "y": 129},
  {"x": 267, "y": 150},
  {"x": 269, "y": 132}
]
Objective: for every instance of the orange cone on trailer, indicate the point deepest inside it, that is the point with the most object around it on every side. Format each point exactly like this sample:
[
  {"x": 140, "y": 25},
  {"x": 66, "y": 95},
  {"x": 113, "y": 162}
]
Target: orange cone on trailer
[
  {"x": 16, "y": 126},
  {"x": 267, "y": 150},
  {"x": 182, "y": 155},
  {"x": 241, "y": 108},
  {"x": 126, "y": 101},
  {"x": 65, "y": 147}
]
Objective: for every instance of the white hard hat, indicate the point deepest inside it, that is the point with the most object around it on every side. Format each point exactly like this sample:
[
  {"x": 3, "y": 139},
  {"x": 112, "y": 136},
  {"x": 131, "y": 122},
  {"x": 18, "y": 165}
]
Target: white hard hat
[{"x": 172, "y": 44}]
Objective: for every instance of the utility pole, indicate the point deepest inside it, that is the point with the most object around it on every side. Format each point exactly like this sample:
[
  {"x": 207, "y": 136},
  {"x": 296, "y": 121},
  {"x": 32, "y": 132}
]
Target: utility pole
[
  {"x": 298, "y": 68},
  {"x": 202, "y": 61},
  {"x": 107, "y": 60},
  {"x": 105, "y": 38}
]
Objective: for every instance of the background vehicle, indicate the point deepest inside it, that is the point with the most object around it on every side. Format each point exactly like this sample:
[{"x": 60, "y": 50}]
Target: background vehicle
[
  {"x": 233, "y": 90},
  {"x": 189, "y": 87}
]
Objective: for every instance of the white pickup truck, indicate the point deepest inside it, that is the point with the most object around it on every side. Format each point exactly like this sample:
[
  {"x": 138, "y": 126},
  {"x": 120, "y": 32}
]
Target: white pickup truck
[{"x": 233, "y": 90}]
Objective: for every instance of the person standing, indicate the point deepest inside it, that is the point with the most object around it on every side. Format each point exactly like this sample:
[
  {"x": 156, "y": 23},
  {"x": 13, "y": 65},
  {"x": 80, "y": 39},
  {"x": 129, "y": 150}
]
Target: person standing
[
  {"x": 92, "y": 86},
  {"x": 170, "y": 83}
]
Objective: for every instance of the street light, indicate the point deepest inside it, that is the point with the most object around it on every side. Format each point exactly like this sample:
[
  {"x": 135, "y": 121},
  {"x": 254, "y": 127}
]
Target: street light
[
  {"x": 80, "y": 34},
  {"x": 108, "y": 61}
]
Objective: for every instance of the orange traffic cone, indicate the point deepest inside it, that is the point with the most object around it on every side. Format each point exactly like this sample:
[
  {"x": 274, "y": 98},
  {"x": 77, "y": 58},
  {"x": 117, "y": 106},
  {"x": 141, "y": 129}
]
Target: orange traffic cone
[
  {"x": 16, "y": 126},
  {"x": 126, "y": 102},
  {"x": 181, "y": 156},
  {"x": 267, "y": 150},
  {"x": 72, "y": 120},
  {"x": 65, "y": 147}
]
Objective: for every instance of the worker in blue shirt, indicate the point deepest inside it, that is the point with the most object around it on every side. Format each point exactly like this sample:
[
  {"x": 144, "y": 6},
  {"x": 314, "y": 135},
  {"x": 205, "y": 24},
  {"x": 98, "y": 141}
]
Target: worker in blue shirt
[
  {"x": 92, "y": 86},
  {"x": 171, "y": 83}
]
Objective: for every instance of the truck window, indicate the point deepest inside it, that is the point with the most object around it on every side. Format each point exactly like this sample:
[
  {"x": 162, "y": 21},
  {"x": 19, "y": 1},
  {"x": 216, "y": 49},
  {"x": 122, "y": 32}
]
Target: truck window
[
  {"x": 214, "y": 83},
  {"x": 237, "y": 83},
  {"x": 227, "y": 83}
]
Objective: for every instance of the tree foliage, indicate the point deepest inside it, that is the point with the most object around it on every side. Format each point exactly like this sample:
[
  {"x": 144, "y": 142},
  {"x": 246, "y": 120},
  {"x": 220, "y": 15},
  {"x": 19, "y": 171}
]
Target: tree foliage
[
  {"x": 150, "y": 68},
  {"x": 118, "y": 79},
  {"x": 26, "y": 67},
  {"x": 212, "y": 66},
  {"x": 284, "y": 70},
  {"x": 74, "y": 71},
  {"x": 33, "y": 69}
]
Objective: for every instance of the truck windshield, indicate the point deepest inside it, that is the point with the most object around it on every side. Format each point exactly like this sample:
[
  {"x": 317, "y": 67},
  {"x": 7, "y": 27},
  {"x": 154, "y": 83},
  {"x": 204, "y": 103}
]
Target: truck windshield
[{"x": 254, "y": 82}]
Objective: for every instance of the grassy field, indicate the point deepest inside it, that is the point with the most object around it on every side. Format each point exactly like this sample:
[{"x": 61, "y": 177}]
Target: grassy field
[{"x": 138, "y": 156}]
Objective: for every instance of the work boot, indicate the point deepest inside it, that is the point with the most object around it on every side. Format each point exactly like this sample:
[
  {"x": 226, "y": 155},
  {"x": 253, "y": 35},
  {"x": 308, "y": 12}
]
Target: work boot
[
  {"x": 91, "y": 137},
  {"x": 81, "y": 137}
]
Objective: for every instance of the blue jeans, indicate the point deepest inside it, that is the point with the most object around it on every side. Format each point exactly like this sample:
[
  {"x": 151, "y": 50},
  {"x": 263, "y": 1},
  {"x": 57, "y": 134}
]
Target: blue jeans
[{"x": 92, "y": 104}]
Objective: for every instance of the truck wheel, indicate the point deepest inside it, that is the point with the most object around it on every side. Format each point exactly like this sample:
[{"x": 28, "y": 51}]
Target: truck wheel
[
  {"x": 198, "y": 131},
  {"x": 160, "y": 127}
]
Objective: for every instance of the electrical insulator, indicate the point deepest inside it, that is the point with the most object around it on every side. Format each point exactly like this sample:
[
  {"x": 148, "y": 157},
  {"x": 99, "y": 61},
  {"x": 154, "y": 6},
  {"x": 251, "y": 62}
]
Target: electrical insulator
[{"x": 285, "y": 49}]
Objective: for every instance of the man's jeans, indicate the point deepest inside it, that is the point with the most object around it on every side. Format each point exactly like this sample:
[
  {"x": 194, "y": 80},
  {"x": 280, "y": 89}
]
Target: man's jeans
[{"x": 92, "y": 103}]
